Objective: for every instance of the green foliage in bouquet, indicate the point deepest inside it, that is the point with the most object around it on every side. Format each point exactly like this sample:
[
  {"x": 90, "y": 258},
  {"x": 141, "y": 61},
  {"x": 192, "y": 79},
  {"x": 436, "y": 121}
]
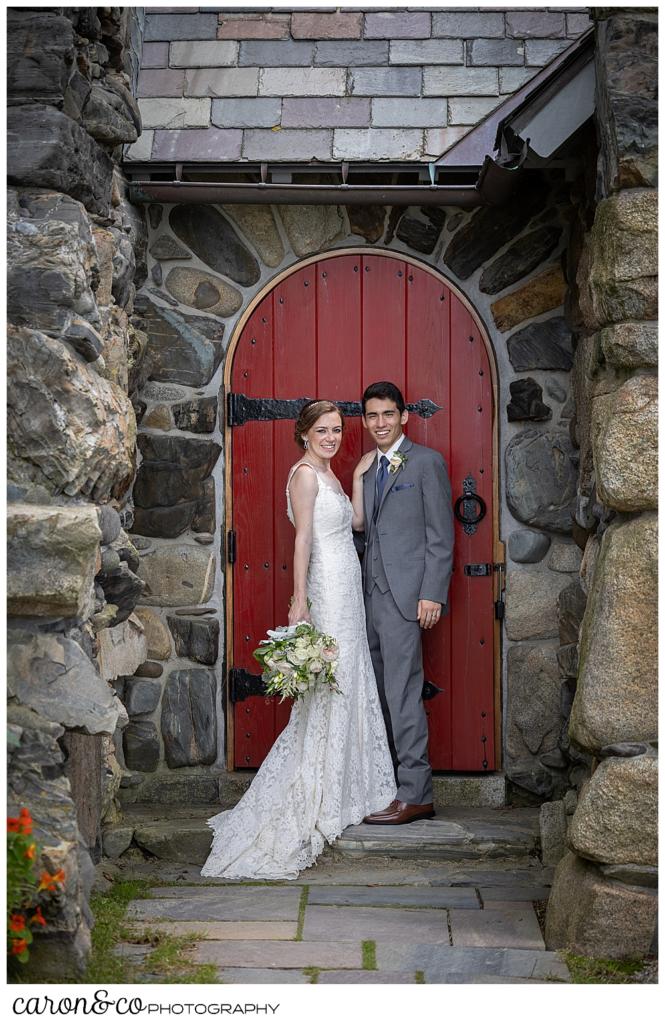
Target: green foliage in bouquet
[{"x": 296, "y": 659}]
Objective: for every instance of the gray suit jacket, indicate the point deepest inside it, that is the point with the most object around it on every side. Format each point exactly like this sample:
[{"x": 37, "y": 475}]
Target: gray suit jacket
[{"x": 414, "y": 527}]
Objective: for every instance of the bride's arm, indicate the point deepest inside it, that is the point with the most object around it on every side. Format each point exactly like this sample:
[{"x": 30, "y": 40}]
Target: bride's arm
[
  {"x": 357, "y": 499},
  {"x": 302, "y": 491}
]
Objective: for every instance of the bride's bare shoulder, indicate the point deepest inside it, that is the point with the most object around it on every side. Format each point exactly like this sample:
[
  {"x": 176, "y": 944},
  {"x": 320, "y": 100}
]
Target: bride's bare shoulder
[{"x": 308, "y": 480}]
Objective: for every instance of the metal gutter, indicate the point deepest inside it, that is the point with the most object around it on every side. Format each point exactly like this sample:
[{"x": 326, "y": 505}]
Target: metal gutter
[{"x": 494, "y": 185}]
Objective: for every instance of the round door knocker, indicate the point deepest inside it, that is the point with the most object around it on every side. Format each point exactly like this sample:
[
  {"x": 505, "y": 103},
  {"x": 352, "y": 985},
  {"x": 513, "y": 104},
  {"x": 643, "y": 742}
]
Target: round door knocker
[
  {"x": 470, "y": 508},
  {"x": 462, "y": 510}
]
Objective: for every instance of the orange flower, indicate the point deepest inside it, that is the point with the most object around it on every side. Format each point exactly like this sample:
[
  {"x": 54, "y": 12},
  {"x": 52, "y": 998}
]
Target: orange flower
[
  {"x": 25, "y": 813},
  {"x": 13, "y": 825},
  {"x": 38, "y": 917},
  {"x": 31, "y": 850},
  {"x": 16, "y": 922},
  {"x": 48, "y": 881},
  {"x": 19, "y": 946}
]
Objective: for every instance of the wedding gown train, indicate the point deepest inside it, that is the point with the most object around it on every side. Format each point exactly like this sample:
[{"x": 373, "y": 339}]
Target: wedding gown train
[{"x": 331, "y": 764}]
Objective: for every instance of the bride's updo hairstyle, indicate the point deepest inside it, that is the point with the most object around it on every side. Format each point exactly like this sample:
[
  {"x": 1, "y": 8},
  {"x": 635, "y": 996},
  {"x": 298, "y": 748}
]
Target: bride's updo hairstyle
[{"x": 309, "y": 414}]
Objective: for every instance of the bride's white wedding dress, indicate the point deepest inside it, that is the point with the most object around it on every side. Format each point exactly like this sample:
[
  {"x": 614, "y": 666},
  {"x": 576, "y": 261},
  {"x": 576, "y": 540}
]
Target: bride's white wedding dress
[{"x": 331, "y": 765}]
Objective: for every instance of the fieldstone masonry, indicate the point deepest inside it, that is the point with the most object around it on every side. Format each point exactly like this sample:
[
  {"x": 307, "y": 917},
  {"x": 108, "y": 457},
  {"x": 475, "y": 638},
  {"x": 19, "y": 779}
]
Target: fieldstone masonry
[
  {"x": 127, "y": 323},
  {"x": 75, "y": 258},
  {"x": 603, "y": 900}
]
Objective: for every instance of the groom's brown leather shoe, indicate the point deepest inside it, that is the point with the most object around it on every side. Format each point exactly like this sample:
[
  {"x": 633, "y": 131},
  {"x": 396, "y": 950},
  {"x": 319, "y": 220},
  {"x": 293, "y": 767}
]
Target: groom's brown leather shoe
[{"x": 399, "y": 813}]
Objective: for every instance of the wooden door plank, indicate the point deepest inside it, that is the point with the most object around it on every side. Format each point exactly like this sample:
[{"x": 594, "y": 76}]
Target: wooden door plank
[
  {"x": 428, "y": 376},
  {"x": 473, "y": 621}
]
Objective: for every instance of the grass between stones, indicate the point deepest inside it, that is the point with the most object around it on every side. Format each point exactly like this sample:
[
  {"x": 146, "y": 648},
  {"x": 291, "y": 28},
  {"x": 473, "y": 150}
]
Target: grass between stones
[
  {"x": 164, "y": 962},
  {"x": 302, "y": 907},
  {"x": 312, "y": 973},
  {"x": 420, "y": 977},
  {"x": 585, "y": 970},
  {"x": 369, "y": 955}
]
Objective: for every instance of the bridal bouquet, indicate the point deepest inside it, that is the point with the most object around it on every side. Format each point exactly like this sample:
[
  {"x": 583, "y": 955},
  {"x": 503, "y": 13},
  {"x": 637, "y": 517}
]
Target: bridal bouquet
[{"x": 295, "y": 659}]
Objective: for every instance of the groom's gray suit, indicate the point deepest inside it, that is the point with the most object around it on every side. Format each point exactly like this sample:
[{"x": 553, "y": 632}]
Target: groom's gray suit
[{"x": 408, "y": 557}]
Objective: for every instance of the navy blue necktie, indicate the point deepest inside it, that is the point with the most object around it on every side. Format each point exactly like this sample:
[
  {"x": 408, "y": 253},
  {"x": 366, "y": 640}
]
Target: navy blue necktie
[{"x": 381, "y": 478}]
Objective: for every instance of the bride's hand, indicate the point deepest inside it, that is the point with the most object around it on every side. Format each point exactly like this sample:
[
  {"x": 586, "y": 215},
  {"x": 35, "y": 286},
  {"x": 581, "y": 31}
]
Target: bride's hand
[
  {"x": 298, "y": 612},
  {"x": 364, "y": 464}
]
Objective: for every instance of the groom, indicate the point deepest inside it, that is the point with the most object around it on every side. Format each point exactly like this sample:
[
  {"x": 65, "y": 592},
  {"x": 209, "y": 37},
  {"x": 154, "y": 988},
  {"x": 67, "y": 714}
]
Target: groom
[{"x": 406, "y": 572}]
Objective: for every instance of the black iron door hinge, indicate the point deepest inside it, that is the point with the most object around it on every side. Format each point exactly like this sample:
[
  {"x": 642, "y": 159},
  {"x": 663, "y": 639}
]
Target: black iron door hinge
[
  {"x": 242, "y": 409},
  {"x": 243, "y": 684},
  {"x": 231, "y": 548}
]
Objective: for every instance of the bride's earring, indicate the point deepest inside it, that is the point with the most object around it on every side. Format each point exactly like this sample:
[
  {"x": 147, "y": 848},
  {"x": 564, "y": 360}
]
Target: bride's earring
[{"x": 306, "y": 443}]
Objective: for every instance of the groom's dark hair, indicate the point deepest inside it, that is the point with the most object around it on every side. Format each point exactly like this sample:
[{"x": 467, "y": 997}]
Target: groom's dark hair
[{"x": 384, "y": 389}]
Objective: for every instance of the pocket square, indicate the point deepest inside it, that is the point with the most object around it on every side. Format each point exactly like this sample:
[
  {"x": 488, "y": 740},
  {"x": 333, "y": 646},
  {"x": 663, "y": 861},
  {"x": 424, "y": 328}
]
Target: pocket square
[{"x": 402, "y": 487}]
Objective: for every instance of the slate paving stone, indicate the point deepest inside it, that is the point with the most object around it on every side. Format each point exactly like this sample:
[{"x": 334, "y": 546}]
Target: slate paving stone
[
  {"x": 512, "y": 924},
  {"x": 241, "y": 903},
  {"x": 265, "y": 955},
  {"x": 257, "y": 930},
  {"x": 394, "y": 895},
  {"x": 366, "y": 978},
  {"x": 439, "y": 961},
  {"x": 490, "y": 979},
  {"x": 377, "y": 923},
  {"x": 514, "y": 893},
  {"x": 134, "y": 952},
  {"x": 255, "y": 976}
]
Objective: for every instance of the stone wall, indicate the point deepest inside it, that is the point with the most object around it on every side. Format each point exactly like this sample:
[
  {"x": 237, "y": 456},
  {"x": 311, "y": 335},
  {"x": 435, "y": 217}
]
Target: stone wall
[
  {"x": 603, "y": 900},
  {"x": 205, "y": 265},
  {"x": 350, "y": 84},
  {"x": 76, "y": 253}
]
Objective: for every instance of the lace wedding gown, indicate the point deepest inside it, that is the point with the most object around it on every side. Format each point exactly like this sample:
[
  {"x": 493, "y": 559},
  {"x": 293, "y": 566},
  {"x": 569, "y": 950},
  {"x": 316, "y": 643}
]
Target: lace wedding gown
[{"x": 331, "y": 765}]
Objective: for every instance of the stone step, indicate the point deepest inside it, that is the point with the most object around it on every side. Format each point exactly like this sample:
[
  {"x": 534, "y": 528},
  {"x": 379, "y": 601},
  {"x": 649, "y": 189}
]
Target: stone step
[
  {"x": 202, "y": 787},
  {"x": 457, "y": 834}
]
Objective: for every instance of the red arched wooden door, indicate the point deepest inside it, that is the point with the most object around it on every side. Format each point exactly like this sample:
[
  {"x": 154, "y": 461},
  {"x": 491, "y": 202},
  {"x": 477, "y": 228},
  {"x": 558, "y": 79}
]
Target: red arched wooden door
[{"x": 327, "y": 330}]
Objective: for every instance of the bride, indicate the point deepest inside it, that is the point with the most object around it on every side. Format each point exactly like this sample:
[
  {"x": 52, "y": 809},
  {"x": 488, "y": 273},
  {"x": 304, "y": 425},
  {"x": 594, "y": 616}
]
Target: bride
[{"x": 331, "y": 765}]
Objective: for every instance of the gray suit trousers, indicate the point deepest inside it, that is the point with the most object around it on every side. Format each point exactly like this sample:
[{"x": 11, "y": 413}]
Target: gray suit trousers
[{"x": 395, "y": 642}]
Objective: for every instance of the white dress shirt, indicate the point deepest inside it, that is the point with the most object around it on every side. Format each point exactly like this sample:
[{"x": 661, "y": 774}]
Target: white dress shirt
[{"x": 391, "y": 451}]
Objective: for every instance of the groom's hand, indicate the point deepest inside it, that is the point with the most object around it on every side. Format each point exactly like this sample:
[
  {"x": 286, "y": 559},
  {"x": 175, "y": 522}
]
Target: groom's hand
[{"x": 429, "y": 613}]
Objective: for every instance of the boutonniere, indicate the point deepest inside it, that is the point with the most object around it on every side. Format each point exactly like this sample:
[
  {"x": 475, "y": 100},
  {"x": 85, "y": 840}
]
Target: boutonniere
[{"x": 396, "y": 461}]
